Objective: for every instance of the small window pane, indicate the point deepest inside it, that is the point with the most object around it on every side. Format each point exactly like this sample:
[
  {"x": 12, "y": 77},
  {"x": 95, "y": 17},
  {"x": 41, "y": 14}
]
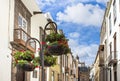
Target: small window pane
[
  {"x": 24, "y": 25},
  {"x": 19, "y": 21},
  {"x": 34, "y": 74}
]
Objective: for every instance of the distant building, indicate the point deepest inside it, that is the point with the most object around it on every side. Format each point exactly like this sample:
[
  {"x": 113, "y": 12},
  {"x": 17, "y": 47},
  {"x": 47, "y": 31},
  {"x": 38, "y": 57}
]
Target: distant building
[
  {"x": 92, "y": 73},
  {"x": 83, "y": 72}
]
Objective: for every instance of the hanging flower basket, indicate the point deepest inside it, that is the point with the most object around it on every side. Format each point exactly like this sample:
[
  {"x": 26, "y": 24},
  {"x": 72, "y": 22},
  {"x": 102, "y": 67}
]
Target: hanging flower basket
[
  {"x": 57, "y": 48},
  {"x": 48, "y": 60},
  {"x": 25, "y": 60},
  {"x": 57, "y": 44},
  {"x": 23, "y": 55},
  {"x": 25, "y": 65},
  {"x": 54, "y": 37}
]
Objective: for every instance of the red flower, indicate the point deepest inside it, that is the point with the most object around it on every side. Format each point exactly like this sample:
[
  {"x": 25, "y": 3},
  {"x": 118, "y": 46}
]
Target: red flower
[
  {"x": 37, "y": 67},
  {"x": 33, "y": 56},
  {"x": 22, "y": 50},
  {"x": 49, "y": 46},
  {"x": 43, "y": 43},
  {"x": 39, "y": 49}
]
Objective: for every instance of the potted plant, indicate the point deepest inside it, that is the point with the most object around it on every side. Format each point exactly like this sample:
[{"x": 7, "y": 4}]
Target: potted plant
[
  {"x": 26, "y": 65},
  {"x": 25, "y": 55},
  {"x": 25, "y": 60},
  {"x": 54, "y": 37},
  {"x": 57, "y": 44},
  {"x": 55, "y": 48},
  {"x": 48, "y": 60}
]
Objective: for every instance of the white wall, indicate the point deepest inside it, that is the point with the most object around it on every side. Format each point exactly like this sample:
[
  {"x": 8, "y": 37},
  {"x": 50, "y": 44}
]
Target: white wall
[
  {"x": 31, "y": 5},
  {"x": 6, "y": 24},
  {"x": 115, "y": 29},
  {"x": 35, "y": 79},
  {"x": 37, "y": 21}
]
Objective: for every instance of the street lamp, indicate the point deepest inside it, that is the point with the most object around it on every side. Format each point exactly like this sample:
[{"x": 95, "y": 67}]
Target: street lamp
[
  {"x": 42, "y": 46},
  {"x": 40, "y": 54}
]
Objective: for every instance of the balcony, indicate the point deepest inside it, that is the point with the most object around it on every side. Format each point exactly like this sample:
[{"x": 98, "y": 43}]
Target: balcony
[
  {"x": 112, "y": 59},
  {"x": 101, "y": 60},
  {"x": 101, "y": 55},
  {"x": 20, "y": 38},
  {"x": 73, "y": 72},
  {"x": 67, "y": 69}
]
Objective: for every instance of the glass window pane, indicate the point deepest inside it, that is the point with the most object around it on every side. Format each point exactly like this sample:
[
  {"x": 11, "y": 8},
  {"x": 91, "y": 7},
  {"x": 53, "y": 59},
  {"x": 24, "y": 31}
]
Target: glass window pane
[{"x": 19, "y": 21}]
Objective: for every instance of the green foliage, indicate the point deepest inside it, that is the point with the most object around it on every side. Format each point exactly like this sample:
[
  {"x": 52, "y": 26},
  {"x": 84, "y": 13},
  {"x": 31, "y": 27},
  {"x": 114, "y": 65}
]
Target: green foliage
[
  {"x": 24, "y": 57},
  {"x": 57, "y": 44},
  {"x": 48, "y": 60},
  {"x": 19, "y": 55},
  {"x": 54, "y": 37},
  {"x": 20, "y": 62}
]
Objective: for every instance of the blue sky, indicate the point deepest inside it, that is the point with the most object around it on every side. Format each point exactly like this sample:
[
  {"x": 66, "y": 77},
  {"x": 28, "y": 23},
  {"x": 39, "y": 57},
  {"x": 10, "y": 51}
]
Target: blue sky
[{"x": 80, "y": 21}]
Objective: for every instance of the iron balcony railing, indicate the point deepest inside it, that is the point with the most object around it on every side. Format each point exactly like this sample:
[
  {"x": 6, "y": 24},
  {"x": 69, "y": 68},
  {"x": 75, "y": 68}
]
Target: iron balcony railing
[
  {"x": 67, "y": 69},
  {"x": 101, "y": 59},
  {"x": 21, "y": 36},
  {"x": 73, "y": 71},
  {"x": 112, "y": 58}
]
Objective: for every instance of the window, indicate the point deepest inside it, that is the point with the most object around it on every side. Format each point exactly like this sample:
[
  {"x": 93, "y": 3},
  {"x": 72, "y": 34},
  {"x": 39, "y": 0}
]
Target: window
[
  {"x": 58, "y": 59},
  {"x": 22, "y": 23},
  {"x": 110, "y": 24},
  {"x": 52, "y": 76},
  {"x": 34, "y": 74},
  {"x": 114, "y": 11},
  {"x": 115, "y": 72},
  {"x": 19, "y": 21},
  {"x": 119, "y": 5},
  {"x": 110, "y": 48},
  {"x": 110, "y": 75},
  {"x": 45, "y": 75},
  {"x": 63, "y": 60},
  {"x": 105, "y": 47},
  {"x": 66, "y": 78},
  {"x": 66, "y": 60},
  {"x": 115, "y": 51},
  {"x": 58, "y": 77}
]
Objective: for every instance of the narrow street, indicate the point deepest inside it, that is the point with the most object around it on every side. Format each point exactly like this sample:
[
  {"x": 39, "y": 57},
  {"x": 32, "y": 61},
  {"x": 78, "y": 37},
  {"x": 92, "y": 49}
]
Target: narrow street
[{"x": 46, "y": 40}]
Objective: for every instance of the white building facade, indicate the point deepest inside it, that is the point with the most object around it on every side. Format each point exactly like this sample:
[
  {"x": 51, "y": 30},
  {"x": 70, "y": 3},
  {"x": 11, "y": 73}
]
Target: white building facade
[
  {"x": 110, "y": 37},
  {"x": 18, "y": 14}
]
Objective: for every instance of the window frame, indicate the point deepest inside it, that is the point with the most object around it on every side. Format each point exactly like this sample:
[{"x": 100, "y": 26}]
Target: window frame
[
  {"x": 34, "y": 74},
  {"x": 21, "y": 25},
  {"x": 114, "y": 11},
  {"x": 110, "y": 24}
]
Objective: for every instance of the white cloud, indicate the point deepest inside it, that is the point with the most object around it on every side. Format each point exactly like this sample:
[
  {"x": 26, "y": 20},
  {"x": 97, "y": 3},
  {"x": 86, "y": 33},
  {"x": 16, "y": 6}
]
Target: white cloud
[
  {"x": 82, "y": 14},
  {"x": 74, "y": 35},
  {"x": 86, "y": 53},
  {"x": 59, "y": 3}
]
